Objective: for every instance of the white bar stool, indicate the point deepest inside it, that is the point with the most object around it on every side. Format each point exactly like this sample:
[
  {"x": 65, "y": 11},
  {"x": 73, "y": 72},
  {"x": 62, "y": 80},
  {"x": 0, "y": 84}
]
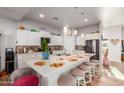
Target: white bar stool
[
  {"x": 67, "y": 80},
  {"x": 89, "y": 66},
  {"x": 82, "y": 76},
  {"x": 97, "y": 65},
  {"x": 96, "y": 62}
]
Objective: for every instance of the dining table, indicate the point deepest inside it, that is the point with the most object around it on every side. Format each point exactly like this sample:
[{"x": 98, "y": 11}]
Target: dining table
[{"x": 50, "y": 74}]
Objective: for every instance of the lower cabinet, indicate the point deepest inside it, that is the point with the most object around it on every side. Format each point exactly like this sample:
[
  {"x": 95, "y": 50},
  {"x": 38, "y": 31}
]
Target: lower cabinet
[{"x": 20, "y": 61}]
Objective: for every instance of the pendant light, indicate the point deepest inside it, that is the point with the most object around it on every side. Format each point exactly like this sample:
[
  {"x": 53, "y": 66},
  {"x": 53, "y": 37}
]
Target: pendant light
[
  {"x": 82, "y": 35},
  {"x": 65, "y": 30},
  {"x": 75, "y": 32}
]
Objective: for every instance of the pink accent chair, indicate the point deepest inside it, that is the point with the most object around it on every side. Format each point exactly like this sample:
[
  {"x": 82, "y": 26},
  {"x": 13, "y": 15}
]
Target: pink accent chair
[
  {"x": 31, "y": 80},
  {"x": 26, "y": 71},
  {"x": 25, "y": 77}
]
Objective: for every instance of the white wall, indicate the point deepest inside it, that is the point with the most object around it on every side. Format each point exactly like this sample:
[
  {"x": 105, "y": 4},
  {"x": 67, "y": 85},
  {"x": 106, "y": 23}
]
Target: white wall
[{"x": 113, "y": 32}]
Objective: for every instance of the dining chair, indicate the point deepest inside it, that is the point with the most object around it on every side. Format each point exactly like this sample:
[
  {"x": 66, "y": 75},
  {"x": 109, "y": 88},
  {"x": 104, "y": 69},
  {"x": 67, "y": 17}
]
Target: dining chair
[
  {"x": 31, "y": 80},
  {"x": 66, "y": 80}
]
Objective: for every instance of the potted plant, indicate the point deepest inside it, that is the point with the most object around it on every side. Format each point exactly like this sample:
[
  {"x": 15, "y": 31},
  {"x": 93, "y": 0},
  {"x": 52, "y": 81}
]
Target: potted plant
[{"x": 45, "y": 50}]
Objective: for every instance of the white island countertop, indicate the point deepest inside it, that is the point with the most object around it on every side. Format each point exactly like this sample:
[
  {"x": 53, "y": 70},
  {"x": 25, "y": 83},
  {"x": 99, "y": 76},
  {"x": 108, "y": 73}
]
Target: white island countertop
[{"x": 51, "y": 74}]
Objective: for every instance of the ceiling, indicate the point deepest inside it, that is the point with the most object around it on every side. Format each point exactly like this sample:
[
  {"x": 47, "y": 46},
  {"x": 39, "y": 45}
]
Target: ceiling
[{"x": 73, "y": 16}]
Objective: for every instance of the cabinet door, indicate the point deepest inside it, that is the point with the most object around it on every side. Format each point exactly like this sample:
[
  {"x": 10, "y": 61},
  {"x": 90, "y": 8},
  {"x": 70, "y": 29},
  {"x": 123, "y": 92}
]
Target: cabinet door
[
  {"x": 80, "y": 40},
  {"x": 56, "y": 40},
  {"x": 44, "y": 34},
  {"x": 22, "y": 37},
  {"x": 33, "y": 38},
  {"x": 69, "y": 43},
  {"x": 59, "y": 40}
]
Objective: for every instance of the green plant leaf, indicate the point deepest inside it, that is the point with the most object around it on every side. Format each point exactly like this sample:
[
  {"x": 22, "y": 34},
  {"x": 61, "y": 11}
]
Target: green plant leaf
[{"x": 44, "y": 45}]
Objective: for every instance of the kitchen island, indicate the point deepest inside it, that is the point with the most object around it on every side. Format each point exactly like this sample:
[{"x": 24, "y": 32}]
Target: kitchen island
[{"x": 51, "y": 74}]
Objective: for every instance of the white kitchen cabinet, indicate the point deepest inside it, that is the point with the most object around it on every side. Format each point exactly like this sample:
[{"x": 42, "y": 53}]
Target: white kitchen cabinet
[
  {"x": 69, "y": 43},
  {"x": 33, "y": 38},
  {"x": 80, "y": 40},
  {"x": 44, "y": 34},
  {"x": 92, "y": 36},
  {"x": 22, "y": 37},
  {"x": 21, "y": 61},
  {"x": 56, "y": 40}
]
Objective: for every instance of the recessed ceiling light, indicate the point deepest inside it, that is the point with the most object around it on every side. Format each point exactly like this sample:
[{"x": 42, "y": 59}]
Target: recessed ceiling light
[
  {"x": 85, "y": 20},
  {"x": 75, "y": 7},
  {"x": 41, "y": 15},
  {"x": 55, "y": 18},
  {"x": 82, "y": 13}
]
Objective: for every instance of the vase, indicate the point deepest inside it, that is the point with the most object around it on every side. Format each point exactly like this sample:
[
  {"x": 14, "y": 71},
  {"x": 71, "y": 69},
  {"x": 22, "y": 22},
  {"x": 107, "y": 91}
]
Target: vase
[{"x": 45, "y": 55}]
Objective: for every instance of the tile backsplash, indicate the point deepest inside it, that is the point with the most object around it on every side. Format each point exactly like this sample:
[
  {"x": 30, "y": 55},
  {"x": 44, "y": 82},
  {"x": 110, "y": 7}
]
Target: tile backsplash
[{"x": 35, "y": 48}]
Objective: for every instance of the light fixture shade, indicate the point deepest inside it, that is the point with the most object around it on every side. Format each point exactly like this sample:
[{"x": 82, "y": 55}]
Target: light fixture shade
[
  {"x": 75, "y": 32},
  {"x": 82, "y": 35}
]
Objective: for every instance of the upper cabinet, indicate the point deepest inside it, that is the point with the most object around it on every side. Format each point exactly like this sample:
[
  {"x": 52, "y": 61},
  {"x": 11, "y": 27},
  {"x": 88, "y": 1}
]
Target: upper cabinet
[
  {"x": 22, "y": 37},
  {"x": 80, "y": 40},
  {"x": 92, "y": 36},
  {"x": 44, "y": 34},
  {"x": 56, "y": 40},
  {"x": 33, "y": 38}
]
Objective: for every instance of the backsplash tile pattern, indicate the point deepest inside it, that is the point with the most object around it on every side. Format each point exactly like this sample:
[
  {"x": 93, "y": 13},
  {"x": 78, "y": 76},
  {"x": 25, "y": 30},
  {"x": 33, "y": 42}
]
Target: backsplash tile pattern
[{"x": 35, "y": 48}]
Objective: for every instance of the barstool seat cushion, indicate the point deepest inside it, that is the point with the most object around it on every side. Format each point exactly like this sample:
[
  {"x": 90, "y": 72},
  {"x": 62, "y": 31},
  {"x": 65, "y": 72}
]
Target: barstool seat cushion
[
  {"x": 88, "y": 63},
  {"x": 84, "y": 67},
  {"x": 95, "y": 61},
  {"x": 67, "y": 80},
  {"x": 78, "y": 72}
]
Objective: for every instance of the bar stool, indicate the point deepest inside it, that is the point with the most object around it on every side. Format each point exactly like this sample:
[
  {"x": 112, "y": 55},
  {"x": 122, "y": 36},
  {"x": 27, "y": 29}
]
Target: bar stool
[
  {"x": 96, "y": 62},
  {"x": 67, "y": 80},
  {"x": 89, "y": 66},
  {"x": 97, "y": 65},
  {"x": 82, "y": 76}
]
